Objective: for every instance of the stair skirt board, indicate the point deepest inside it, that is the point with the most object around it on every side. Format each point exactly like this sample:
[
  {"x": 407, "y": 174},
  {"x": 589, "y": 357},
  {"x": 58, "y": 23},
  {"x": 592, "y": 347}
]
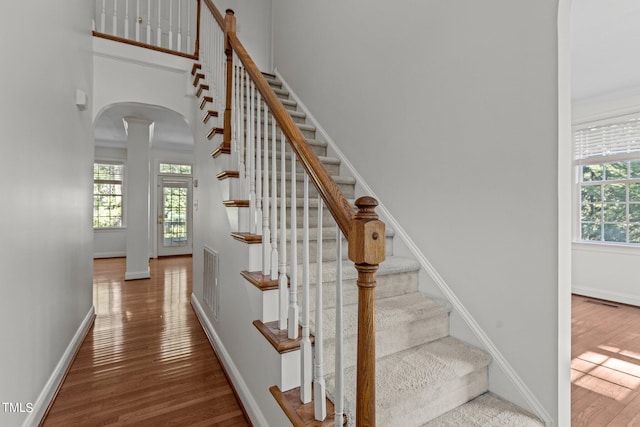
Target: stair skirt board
[
  {"x": 527, "y": 398},
  {"x": 244, "y": 393}
]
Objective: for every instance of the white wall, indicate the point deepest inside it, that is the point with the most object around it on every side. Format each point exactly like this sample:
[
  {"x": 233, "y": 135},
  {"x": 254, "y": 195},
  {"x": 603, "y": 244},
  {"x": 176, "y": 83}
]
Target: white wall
[
  {"x": 125, "y": 73},
  {"x": 253, "y": 19},
  {"x": 47, "y": 147},
  {"x": 456, "y": 103}
]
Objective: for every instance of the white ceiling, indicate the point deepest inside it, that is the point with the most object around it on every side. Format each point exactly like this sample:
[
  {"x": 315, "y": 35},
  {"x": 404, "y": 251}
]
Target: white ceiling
[
  {"x": 605, "y": 48},
  {"x": 171, "y": 130}
]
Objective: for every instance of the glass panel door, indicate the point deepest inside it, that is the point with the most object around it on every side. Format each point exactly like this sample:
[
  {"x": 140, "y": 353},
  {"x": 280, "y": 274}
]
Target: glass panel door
[{"x": 174, "y": 216}]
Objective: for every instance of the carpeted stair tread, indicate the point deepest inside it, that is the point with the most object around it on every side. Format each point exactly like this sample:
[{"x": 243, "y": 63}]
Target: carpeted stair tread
[
  {"x": 487, "y": 410},
  {"x": 421, "y": 383}
]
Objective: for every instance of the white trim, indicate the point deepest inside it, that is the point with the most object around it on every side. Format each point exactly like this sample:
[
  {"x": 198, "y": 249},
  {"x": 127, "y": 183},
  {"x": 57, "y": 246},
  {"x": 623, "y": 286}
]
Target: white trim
[
  {"x": 250, "y": 404},
  {"x": 135, "y": 275},
  {"x": 120, "y": 254},
  {"x": 607, "y": 247},
  {"x": 607, "y": 295},
  {"x": 50, "y": 389},
  {"x": 488, "y": 345},
  {"x": 566, "y": 200}
]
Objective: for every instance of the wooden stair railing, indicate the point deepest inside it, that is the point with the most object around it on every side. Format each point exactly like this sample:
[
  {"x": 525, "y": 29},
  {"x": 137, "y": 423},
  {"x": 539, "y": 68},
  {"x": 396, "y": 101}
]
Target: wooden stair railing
[
  {"x": 185, "y": 13},
  {"x": 362, "y": 229}
]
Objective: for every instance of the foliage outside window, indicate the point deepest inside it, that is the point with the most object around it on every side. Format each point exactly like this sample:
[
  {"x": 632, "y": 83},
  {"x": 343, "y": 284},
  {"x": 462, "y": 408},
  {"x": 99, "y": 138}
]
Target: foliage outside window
[
  {"x": 608, "y": 162},
  {"x": 610, "y": 202},
  {"x": 107, "y": 195},
  {"x": 175, "y": 169}
]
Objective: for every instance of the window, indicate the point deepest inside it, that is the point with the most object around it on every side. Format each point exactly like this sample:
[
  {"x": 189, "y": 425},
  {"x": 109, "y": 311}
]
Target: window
[
  {"x": 608, "y": 162},
  {"x": 175, "y": 169},
  {"x": 107, "y": 195}
]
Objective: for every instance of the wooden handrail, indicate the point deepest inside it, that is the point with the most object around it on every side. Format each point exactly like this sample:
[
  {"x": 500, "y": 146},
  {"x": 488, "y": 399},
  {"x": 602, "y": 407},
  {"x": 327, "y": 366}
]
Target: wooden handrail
[
  {"x": 145, "y": 45},
  {"x": 363, "y": 231},
  {"x": 216, "y": 13}
]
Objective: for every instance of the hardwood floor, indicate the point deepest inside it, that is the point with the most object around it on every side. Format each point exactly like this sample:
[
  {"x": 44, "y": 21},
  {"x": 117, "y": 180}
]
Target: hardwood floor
[
  {"x": 605, "y": 364},
  {"x": 146, "y": 361}
]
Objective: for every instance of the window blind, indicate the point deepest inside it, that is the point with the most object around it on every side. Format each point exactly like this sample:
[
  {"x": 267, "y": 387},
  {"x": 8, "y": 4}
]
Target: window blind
[{"x": 610, "y": 140}]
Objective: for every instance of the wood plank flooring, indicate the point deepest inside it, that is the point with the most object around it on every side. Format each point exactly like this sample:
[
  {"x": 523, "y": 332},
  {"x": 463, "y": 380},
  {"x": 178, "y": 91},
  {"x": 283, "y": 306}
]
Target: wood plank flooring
[
  {"x": 146, "y": 361},
  {"x": 605, "y": 364}
]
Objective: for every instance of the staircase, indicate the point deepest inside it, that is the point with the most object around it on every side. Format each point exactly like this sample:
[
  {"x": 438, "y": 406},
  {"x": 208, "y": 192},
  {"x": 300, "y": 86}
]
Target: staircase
[{"x": 424, "y": 376}]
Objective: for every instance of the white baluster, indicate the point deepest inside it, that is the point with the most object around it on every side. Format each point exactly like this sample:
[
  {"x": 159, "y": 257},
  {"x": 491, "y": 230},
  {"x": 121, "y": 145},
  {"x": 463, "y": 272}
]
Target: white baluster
[
  {"x": 282, "y": 276},
  {"x": 179, "y": 41},
  {"x": 306, "y": 362},
  {"x": 319, "y": 402},
  {"x": 244, "y": 132},
  {"x": 274, "y": 202},
  {"x": 170, "y": 24},
  {"x": 241, "y": 135},
  {"x": 234, "y": 117},
  {"x": 159, "y": 34},
  {"x": 252, "y": 160},
  {"x": 258, "y": 159},
  {"x": 103, "y": 17},
  {"x": 266, "y": 232},
  {"x": 189, "y": 25},
  {"x": 292, "y": 321},
  {"x": 126, "y": 19},
  {"x": 148, "y": 21},
  {"x": 114, "y": 29},
  {"x": 338, "y": 403},
  {"x": 138, "y": 20}
]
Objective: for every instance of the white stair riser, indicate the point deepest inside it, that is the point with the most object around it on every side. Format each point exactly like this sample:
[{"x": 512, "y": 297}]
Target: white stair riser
[
  {"x": 388, "y": 285},
  {"x": 329, "y": 247},
  {"x": 332, "y": 166},
  {"x": 440, "y": 401},
  {"x": 388, "y": 341}
]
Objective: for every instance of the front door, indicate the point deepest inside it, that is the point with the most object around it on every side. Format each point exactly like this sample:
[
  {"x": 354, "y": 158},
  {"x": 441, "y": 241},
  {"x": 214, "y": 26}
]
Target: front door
[{"x": 174, "y": 216}]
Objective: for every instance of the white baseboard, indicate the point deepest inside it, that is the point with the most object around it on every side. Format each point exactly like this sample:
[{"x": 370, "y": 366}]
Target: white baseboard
[
  {"x": 120, "y": 254},
  {"x": 607, "y": 295},
  {"x": 50, "y": 389},
  {"x": 400, "y": 232},
  {"x": 135, "y": 275},
  {"x": 250, "y": 404}
]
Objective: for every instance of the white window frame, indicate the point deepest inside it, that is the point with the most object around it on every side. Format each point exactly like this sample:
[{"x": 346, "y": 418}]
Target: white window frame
[
  {"x": 606, "y": 141},
  {"x": 123, "y": 192}
]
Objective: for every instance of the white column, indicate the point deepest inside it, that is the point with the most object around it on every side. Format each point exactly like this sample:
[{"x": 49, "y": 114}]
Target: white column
[{"x": 138, "y": 173}]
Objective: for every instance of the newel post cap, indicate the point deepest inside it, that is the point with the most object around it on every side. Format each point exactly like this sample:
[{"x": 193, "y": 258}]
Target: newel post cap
[{"x": 368, "y": 244}]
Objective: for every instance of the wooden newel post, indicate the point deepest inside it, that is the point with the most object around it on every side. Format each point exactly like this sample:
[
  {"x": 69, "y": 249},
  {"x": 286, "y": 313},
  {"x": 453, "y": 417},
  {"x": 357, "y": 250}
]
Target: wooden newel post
[
  {"x": 366, "y": 250},
  {"x": 229, "y": 29}
]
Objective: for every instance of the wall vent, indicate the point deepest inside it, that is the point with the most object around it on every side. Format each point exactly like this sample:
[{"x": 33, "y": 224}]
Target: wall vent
[{"x": 210, "y": 281}]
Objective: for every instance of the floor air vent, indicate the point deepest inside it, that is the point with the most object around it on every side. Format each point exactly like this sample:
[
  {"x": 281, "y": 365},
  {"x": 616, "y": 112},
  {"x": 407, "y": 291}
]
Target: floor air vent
[{"x": 210, "y": 281}]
